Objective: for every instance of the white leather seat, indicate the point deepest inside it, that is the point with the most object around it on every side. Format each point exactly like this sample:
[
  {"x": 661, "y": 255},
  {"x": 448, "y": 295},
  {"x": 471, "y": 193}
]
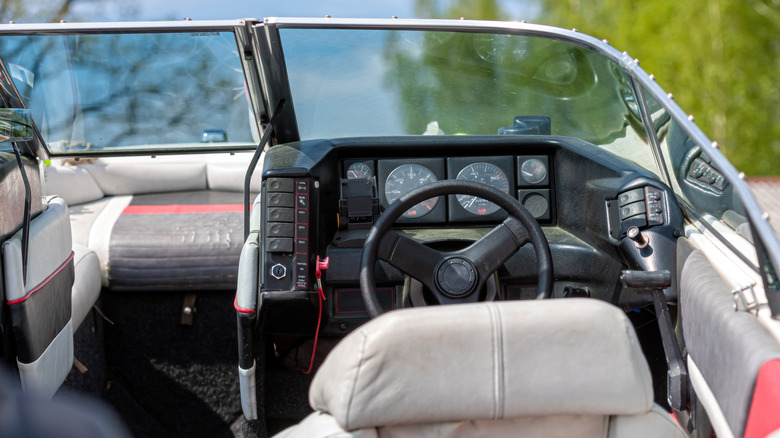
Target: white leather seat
[{"x": 552, "y": 368}]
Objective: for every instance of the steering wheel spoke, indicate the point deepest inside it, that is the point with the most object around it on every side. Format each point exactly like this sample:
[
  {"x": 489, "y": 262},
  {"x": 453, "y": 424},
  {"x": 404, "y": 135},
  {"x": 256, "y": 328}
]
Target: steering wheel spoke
[
  {"x": 410, "y": 256},
  {"x": 496, "y": 247}
]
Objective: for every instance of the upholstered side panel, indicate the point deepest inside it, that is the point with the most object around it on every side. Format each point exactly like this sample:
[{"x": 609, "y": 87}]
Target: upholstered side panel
[
  {"x": 229, "y": 175},
  {"x": 136, "y": 175},
  {"x": 656, "y": 423},
  {"x": 83, "y": 217},
  {"x": 40, "y": 305},
  {"x": 45, "y": 374},
  {"x": 73, "y": 183},
  {"x": 727, "y": 346},
  {"x": 86, "y": 285},
  {"x": 485, "y": 361}
]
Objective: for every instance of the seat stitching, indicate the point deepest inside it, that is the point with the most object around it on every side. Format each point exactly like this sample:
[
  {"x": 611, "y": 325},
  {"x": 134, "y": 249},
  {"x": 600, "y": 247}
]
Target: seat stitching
[
  {"x": 354, "y": 382},
  {"x": 498, "y": 371},
  {"x": 500, "y": 362}
]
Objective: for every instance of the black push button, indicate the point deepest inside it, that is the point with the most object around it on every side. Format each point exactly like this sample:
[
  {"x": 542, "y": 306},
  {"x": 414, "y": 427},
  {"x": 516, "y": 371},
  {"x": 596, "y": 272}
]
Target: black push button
[
  {"x": 302, "y": 186},
  {"x": 279, "y": 244},
  {"x": 280, "y": 200},
  {"x": 302, "y": 216},
  {"x": 281, "y": 214},
  {"x": 302, "y": 231},
  {"x": 630, "y": 210},
  {"x": 301, "y": 246},
  {"x": 280, "y": 229},
  {"x": 303, "y": 201},
  {"x": 630, "y": 196},
  {"x": 285, "y": 185}
]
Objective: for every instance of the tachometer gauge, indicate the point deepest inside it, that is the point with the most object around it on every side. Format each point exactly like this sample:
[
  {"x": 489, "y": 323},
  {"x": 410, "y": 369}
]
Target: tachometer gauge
[
  {"x": 533, "y": 171},
  {"x": 405, "y": 178},
  {"x": 484, "y": 173},
  {"x": 359, "y": 170}
]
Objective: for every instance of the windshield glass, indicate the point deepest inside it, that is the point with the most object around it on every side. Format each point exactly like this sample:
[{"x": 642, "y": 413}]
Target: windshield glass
[
  {"x": 141, "y": 91},
  {"x": 354, "y": 82}
]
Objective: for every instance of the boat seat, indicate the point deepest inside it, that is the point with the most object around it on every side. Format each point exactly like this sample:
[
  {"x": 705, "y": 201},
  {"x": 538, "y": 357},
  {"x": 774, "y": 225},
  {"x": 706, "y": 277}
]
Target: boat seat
[
  {"x": 550, "y": 368},
  {"x": 86, "y": 286},
  {"x": 157, "y": 224}
]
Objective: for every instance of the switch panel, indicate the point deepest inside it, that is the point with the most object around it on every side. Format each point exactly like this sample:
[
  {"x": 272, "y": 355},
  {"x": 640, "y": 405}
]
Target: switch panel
[{"x": 290, "y": 212}]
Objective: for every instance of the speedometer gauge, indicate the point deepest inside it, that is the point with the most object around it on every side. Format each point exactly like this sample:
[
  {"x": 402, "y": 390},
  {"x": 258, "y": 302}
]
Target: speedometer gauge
[
  {"x": 484, "y": 173},
  {"x": 405, "y": 178}
]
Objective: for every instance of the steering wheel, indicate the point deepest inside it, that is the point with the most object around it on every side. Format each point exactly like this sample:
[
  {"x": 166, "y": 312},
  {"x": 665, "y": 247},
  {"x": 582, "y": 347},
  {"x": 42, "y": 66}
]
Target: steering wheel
[{"x": 457, "y": 276}]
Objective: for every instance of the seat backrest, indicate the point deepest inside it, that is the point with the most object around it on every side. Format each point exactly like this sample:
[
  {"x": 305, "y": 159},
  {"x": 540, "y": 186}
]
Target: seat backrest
[{"x": 505, "y": 367}]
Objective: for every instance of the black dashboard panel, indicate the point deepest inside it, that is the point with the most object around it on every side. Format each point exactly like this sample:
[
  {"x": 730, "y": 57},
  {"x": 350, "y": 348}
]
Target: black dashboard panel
[{"x": 572, "y": 197}]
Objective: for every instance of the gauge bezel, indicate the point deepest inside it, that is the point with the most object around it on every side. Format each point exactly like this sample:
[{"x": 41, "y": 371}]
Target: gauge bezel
[
  {"x": 435, "y": 165},
  {"x": 521, "y": 182},
  {"x": 347, "y": 163},
  {"x": 456, "y": 164}
]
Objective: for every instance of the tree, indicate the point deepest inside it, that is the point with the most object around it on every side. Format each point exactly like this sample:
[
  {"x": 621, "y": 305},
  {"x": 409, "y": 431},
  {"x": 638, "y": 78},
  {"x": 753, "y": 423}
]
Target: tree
[
  {"x": 720, "y": 58},
  {"x": 71, "y": 10}
]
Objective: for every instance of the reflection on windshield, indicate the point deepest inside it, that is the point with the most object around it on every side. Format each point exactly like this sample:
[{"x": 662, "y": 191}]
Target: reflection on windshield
[
  {"x": 90, "y": 92},
  {"x": 382, "y": 82}
]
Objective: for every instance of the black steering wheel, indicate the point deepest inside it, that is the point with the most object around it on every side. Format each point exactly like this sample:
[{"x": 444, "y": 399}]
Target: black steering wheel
[{"x": 458, "y": 276}]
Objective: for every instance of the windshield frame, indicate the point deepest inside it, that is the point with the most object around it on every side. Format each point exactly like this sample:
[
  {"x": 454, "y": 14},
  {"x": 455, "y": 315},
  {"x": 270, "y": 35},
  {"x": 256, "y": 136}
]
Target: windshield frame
[{"x": 241, "y": 30}]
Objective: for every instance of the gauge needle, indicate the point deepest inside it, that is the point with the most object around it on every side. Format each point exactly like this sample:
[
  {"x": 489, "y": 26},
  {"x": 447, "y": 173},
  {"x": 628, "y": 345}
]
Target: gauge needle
[{"x": 473, "y": 198}]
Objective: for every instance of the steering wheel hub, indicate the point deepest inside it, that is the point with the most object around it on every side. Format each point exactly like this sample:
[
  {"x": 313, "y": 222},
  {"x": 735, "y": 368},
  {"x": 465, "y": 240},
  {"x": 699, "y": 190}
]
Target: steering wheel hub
[{"x": 456, "y": 277}]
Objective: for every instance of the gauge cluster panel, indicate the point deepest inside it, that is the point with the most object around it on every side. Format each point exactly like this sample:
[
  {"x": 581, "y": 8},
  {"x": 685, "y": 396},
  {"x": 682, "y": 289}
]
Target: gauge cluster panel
[
  {"x": 527, "y": 178},
  {"x": 399, "y": 177}
]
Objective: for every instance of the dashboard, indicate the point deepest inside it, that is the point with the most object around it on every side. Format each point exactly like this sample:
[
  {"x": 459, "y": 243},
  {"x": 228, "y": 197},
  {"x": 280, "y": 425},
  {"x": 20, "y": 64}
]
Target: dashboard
[{"x": 321, "y": 197}]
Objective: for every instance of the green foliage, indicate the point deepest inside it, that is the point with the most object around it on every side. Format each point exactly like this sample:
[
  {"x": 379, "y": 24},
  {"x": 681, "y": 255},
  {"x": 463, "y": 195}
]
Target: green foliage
[{"x": 720, "y": 59}]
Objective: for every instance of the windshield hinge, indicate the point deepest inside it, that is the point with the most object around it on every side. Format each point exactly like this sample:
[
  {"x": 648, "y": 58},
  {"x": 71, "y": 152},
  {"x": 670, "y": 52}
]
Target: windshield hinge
[{"x": 745, "y": 299}]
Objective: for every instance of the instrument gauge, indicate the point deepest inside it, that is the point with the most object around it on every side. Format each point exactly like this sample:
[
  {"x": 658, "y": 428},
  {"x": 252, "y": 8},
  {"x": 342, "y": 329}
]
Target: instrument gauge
[
  {"x": 484, "y": 173},
  {"x": 533, "y": 171},
  {"x": 405, "y": 178},
  {"x": 359, "y": 170}
]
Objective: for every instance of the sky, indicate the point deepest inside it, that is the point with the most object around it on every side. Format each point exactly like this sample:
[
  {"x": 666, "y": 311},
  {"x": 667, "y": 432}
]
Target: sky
[{"x": 230, "y": 9}]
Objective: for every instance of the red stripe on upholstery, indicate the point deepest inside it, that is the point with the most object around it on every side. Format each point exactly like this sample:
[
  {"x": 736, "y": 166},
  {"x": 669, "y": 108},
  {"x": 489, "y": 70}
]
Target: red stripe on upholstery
[
  {"x": 763, "y": 418},
  {"x": 43, "y": 283},
  {"x": 183, "y": 209},
  {"x": 240, "y": 309}
]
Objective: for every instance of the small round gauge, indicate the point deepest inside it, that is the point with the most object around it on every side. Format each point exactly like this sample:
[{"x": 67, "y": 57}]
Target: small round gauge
[
  {"x": 405, "y": 178},
  {"x": 359, "y": 170},
  {"x": 533, "y": 171},
  {"x": 484, "y": 173}
]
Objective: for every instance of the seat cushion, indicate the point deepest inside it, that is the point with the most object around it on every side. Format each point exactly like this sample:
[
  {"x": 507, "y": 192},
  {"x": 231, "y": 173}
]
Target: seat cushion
[
  {"x": 485, "y": 361},
  {"x": 171, "y": 241}
]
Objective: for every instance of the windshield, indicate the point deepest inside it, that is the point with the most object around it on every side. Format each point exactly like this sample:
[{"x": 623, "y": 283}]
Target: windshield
[
  {"x": 140, "y": 91},
  {"x": 353, "y": 82}
]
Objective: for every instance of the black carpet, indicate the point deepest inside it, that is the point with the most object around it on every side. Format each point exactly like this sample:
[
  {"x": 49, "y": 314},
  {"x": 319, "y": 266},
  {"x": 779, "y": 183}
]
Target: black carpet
[{"x": 170, "y": 380}]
